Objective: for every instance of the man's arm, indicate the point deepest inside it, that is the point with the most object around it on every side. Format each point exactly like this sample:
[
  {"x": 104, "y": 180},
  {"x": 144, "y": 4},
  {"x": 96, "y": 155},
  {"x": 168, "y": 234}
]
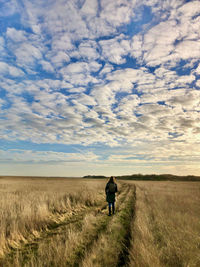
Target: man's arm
[{"x": 106, "y": 189}]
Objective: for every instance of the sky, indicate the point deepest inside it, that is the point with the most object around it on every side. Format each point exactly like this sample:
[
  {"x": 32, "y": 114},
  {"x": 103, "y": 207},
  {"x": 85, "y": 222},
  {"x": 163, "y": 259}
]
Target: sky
[{"x": 104, "y": 87}]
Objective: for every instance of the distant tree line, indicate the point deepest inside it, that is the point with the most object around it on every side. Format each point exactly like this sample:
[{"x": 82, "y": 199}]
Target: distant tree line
[
  {"x": 95, "y": 177},
  {"x": 149, "y": 177}
]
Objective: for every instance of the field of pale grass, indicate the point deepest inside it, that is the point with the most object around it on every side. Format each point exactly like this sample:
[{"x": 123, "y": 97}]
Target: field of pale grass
[
  {"x": 166, "y": 230},
  {"x": 63, "y": 222},
  {"x": 28, "y": 206}
]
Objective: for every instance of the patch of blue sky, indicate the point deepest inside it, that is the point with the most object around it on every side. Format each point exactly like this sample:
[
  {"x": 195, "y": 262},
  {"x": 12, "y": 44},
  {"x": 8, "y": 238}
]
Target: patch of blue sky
[
  {"x": 135, "y": 158},
  {"x": 65, "y": 91},
  {"x": 8, "y": 57},
  {"x": 2, "y": 92},
  {"x": 26, "y": 145},
  {"x": 187, "y": 1},
  {"x": 196, "y": 16},
  {"x": 151, "y": 69},
  {"x": 174, "y": 135},
  {"x": 161, "y": 103},
  {"x": 73, "y": 60},
  {"x": 177, "y": 41},
  {"x": 40, "y": 73},
  {"x": 121, "y": 95},
  {"x": 144, "y": 16},
  {"x": 107, "y": 37},
  {"x": 182, "y": 69},
  {"x": 102, "y": 63},
  {"x": 6, "y": 106},
  {"x": 138, "y": 114},
  {"x": 130, "y": 63},
  {"x": 13, "y": 21},
  {"x": 28, "y": 97},
  {"x": 99, "y": 8},
  {"x": 89, "y": 87},
  {"x": 193, "y": 84},
  {"x": 114, "y": 105},
  {"x": 136, "y": 92},
  {"x": 130, "y": 29}
]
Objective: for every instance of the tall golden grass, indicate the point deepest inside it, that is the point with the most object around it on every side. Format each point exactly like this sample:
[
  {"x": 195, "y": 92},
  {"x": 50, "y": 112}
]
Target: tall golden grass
[
  {"x": 74, "y": 244},
  {"x": 64, "y": 222},
  {"x": 29, "y": 206},
  {"x": 166, "y": 231}
]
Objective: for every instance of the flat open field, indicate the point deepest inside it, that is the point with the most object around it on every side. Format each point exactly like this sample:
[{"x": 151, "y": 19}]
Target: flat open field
[{"x": 63, "y": 222}]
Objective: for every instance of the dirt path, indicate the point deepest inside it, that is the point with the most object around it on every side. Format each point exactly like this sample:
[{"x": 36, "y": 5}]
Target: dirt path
[
  {"x": 90, "y": 240},
  {"x": 77, "y": 233},
  {"x": 112, "y": 246},
  {"x": 56, "y": 227}
]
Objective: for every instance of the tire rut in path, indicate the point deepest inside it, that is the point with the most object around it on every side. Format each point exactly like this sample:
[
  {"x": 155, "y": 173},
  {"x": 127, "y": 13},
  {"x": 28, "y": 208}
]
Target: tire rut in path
[
  {"x": 56, "y": 227},
  {"x": 124, "y": 255},
  {"x": 77, "y": 257},
  {"x": 29, "y": 249},
  {"x": 110, "y": 247}
]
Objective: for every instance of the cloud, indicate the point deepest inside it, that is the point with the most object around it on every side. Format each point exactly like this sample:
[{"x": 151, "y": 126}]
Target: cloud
[
  {"x": 80, "y": 73},
  {"x": 42, "y": 157},
  {"x": 62, "y": 42},
  {"x": 186, "y": 99},
  {"x": 198, "y": 83},
  {"x": 126, "y": 107},
  {"x": 197, "y": 70},
  {"x": 27, "y": 54},
  {"x": 47, "y": 66},
  {"x": 59, "y": 59},
  {"x": 16, "y": 35},
  {"x": 7, "y": 69},
  {"x": 106, "y": 69},
  {"x": 188, "y": 49},
  {"x": 87, "y": 50},
  {"x": 115, "y": 50},
  {"x": 2, "y": 43},
  {"x": 189, "y": 10},
  {"x": 171, "y": 40},
  {"x": 132, "y": 75},
  {"x": 85, "y": 99},
  {"x": 63, "y": 16},
  {"x": 79, "y": 67},
  {"x": 8, "y": 8},
  {"x": 99, "y": 27},
  {"x": 158, "y": 42},
  {"x": 116, "y": 13},
  {"x": 90, "y": 8}
]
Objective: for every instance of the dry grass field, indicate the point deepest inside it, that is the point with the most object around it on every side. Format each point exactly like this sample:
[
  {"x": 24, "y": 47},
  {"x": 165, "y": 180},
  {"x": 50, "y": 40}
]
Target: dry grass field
[
  {"x": 166, "y": 230},
  {"x": 63, "y": 222}
]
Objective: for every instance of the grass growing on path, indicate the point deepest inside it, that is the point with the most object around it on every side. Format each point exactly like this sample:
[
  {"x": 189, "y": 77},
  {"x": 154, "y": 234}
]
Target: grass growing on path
[
  {"x": 73, "y": 223},
  {"x": 69, "y": 245},
  {"x": 110, "y": 249}
]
